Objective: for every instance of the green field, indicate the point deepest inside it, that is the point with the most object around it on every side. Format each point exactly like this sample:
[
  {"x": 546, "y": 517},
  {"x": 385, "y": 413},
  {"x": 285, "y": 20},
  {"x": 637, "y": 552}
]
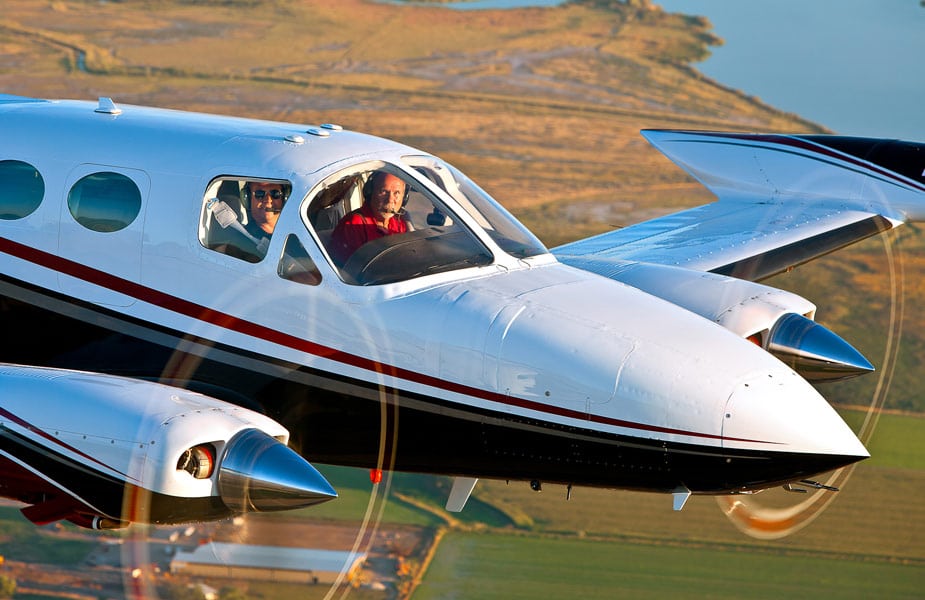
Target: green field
[
  {"x": 509, "y": 567},
  {"x": 22, "y": 541},
  {"x": 869, "y": 542},
  {"x": 604, "y": 543},
  {"x": 898, "y": 440},
  {"x": 412, "y": 500}
]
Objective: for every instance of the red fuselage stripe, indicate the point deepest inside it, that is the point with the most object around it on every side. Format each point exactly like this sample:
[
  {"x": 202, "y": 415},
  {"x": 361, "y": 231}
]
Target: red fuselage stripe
[{"x": 232, "y": 323}]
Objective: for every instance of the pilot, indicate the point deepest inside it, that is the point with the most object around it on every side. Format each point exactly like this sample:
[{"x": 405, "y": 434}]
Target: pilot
[{"x": 381, "y": 215}]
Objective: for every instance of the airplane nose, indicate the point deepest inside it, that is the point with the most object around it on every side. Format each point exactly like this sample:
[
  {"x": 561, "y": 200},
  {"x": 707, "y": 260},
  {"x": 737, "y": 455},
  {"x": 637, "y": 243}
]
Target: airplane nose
[
  {"x": 259, "y": 473},
  {"x": 782, "y": 423}
]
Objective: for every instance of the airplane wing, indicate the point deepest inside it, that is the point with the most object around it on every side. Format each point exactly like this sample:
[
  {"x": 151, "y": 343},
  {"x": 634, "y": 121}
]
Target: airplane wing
[
  {"x": 782, "y": 201},
  {"x": 78, "y": 446}
]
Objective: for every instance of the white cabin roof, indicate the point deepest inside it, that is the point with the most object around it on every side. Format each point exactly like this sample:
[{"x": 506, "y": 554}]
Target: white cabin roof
[{"x": 180, "y": 142}]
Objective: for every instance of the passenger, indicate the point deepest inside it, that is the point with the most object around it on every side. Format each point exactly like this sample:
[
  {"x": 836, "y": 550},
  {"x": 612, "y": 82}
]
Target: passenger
[
  {"x": 265, "y": 201},
  {"x": 249, "y": 241},
  {"x": 383, "y": 197}
]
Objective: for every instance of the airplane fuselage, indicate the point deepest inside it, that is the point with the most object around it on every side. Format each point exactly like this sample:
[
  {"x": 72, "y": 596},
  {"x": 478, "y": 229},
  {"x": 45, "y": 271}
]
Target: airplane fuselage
[{"x": 498, "y": 365}]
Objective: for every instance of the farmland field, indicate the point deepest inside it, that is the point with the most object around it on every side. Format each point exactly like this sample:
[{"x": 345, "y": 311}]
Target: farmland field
[
  {"x": 605, "y": 544},
  {"x": 615, "y": 542},
  {"x": 472, "y": 565}
]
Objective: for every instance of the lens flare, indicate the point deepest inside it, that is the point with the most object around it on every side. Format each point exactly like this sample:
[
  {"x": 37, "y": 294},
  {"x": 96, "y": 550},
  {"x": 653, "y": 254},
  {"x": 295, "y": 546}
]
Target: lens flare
[{"x": 759, "y": 521}]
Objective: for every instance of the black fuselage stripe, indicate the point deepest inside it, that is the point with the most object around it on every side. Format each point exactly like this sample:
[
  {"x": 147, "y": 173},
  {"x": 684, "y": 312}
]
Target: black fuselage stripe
[
  {"x": 342, "y": 421},
  {"x": 95, "y": 489}
]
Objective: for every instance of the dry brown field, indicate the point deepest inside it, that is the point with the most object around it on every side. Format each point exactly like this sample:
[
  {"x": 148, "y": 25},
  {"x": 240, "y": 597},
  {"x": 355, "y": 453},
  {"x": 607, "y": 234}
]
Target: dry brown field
[{"x": 542, "y": 107}]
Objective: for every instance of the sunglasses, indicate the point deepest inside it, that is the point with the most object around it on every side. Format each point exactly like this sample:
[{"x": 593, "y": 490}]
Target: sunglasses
[{"x": 274, "y": 194}]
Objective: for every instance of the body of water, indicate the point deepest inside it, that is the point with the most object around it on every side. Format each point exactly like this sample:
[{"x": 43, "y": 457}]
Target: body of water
[{"x": 854, "y": 66}]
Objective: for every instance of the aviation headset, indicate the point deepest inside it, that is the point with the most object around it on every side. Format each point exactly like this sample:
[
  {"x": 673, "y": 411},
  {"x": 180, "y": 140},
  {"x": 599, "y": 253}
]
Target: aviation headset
[{"x": 371, "y": 181}]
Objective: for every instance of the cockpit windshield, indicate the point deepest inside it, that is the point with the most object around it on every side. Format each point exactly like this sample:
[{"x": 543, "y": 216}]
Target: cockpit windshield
[
  {"x": 379, "y": 225},
  {"x": 505, "y": 230}
]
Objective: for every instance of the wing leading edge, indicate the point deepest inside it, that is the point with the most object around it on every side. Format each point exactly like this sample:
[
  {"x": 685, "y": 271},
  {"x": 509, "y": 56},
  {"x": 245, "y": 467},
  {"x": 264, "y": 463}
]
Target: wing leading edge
[{"x": 782, "y": 201}]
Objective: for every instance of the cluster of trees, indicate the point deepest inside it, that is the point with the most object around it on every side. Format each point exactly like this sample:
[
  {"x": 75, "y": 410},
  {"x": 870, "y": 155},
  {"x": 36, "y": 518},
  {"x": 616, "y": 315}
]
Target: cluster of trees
[{"x": 7, "y": 586}]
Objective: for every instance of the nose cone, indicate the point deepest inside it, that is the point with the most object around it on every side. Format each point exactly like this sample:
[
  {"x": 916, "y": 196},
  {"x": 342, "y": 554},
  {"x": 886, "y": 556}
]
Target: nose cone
[
  {"x": 259, "y": 473},
  {"x": 785, "y": 430},
  {"x": 814, "y": 351}
]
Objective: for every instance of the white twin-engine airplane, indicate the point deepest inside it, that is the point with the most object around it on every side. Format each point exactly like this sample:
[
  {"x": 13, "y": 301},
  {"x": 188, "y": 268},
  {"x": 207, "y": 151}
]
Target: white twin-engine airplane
[{"x": 160, "y": 343}]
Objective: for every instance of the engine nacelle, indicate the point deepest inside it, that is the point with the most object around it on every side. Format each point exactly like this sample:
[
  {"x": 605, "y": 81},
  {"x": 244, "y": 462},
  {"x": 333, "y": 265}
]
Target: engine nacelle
[
  {"x": 781, "y": 322},
  {"x": 103, "y": 451}
]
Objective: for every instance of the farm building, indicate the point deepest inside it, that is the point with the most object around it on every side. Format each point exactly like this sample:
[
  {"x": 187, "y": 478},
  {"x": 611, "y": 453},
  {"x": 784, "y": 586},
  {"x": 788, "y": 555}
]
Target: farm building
[{"x": 239, "y": 561}]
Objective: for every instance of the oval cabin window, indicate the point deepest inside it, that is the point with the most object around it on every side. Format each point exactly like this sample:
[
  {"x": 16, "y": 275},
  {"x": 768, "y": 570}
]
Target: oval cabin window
[
  {"x": 21, "y": 189},
  {"x": 104, "y": 202}
]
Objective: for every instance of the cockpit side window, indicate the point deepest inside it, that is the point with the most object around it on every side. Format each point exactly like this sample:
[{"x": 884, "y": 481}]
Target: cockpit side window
[
  {"x": 378, "y": 225},
  {"x": 296, "y": 265},
  {"x": 239, "y": 215}
]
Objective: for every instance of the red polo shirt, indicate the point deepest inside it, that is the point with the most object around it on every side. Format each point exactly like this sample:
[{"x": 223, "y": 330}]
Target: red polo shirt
[{"x": 359, "y": 227}]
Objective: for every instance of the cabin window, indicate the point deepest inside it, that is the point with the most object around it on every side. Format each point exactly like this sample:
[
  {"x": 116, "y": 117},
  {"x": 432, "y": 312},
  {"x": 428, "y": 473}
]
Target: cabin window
[
  {"x": 104, "y": 202},
  {"x": 240, "y": 214},
  {"x": 21, "y": 189},
  {"x": 379, "y": 225},
  {"x": 296, "y": 265}
]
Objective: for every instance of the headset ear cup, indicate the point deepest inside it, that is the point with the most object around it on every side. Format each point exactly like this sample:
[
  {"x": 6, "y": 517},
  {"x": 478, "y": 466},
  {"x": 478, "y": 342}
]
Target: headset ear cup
[{"x": 368, "y": 187}]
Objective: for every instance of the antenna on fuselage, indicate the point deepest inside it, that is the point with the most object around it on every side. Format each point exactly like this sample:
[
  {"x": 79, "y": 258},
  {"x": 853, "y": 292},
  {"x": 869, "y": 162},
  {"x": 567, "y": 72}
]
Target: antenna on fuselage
[{"x": 108, "y": 107}]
